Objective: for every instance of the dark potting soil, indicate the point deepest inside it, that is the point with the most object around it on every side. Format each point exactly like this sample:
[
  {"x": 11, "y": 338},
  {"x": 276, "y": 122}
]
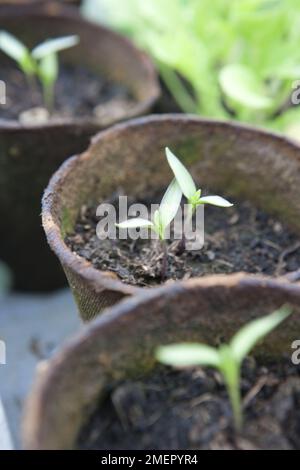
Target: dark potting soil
[
  {"x": 189, "y": 409},
  {"x": 240, "y": 238},
  {"x": 78, "y": 92}
]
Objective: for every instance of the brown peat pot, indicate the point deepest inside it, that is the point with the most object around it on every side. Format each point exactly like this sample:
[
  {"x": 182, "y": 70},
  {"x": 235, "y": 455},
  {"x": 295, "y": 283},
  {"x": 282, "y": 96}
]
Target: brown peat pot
[
  {"x": 246, "y": 163},
  {"x": 30, "y": 153},
  {"x": 120, "y": 344}
]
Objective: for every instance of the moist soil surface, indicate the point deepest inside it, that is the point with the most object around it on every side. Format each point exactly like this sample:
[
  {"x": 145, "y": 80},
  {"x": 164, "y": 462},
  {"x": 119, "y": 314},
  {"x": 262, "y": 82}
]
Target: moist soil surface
[
  {"x": 241, "y": 238},
  {"x": 189, "y": 409},
  {"x": 78, "y": 93}
]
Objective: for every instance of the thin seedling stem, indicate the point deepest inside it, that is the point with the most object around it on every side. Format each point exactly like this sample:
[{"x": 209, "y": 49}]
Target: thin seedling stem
[{"x": 49, "y": 97}]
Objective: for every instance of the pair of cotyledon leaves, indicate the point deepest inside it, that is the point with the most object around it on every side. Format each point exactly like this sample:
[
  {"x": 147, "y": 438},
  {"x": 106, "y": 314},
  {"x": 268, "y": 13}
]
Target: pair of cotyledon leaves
[
  {"x": 44, "y": 52},
  {"x": 183, "y": 183},
  {"x": 192, "y": 354},
  {"x": 227, "y": 358}
]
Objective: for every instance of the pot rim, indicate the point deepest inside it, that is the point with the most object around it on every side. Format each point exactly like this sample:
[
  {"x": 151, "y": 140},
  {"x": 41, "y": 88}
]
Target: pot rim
[
  {"x": 103, "y": 279},
  {"x": 112, "y": 314},
  {"x": 50, "y": 371},
  {"x": 54, "y": 10}
]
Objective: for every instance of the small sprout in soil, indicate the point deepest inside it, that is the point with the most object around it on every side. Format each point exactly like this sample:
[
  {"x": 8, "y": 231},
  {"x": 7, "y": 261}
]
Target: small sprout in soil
[
  {"x": 192, "y": 194},
  {"x": 17, "y": 51},
  {"x": 227, "y": 358},
  {"x": 41, "y": 62},
  {"x": 162, "y": 217},
  {"x": 46, "y": 56},
  {"x": 188, "y": 186}
]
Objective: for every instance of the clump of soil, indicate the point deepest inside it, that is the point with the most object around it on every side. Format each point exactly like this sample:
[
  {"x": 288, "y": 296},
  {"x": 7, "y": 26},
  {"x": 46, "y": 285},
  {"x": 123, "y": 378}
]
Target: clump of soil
[
  {"x": 189, "y": 409},
  {"x": 241, "y": 238},
  {"x": 78, "y": 92}
]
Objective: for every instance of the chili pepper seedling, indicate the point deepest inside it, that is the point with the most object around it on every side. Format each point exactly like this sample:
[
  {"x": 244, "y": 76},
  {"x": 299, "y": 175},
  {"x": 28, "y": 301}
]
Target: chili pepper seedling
[
  {"x": 41, "y": 62},
  {"x": 227, "y": 358},
  {"x": 188, "y": 186},
  {"x": 190, "y": 191},
  {"x": 162, "y": 218}
]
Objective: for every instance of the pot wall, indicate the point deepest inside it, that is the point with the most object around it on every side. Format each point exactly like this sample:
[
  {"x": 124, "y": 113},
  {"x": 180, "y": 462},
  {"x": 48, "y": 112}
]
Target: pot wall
[{"x": 121, "y": 344}]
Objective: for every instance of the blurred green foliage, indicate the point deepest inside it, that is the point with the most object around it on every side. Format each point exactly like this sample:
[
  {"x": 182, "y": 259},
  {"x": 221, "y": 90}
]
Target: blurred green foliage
[{"x": 235, "y": 58}]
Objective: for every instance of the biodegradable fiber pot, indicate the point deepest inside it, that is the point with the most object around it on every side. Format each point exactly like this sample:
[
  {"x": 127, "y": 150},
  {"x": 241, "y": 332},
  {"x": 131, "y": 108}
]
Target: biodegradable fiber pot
[
  {"x": 29, "y": 154},
  {"x": 244, "y": 162},
  {"x": 121, "y": 343}
]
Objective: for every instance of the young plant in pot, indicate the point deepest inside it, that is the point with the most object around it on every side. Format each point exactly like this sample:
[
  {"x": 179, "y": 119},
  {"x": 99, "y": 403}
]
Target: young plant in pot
[
  {"x": 164, "y": 215},
  {"x": 120, "y": 397},
  {"x": 82, "y": 79},
  {"x": 227, "y": 359},
  {"x": 41, "y": 63},
  {"x": 259, "y": 234}
]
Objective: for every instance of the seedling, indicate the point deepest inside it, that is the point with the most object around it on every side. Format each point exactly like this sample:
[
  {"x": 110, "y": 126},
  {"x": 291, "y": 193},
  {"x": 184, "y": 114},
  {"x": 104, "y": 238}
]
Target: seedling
[
  {"x": 183, "y": 183},
  {"x": 46, "y": 56},
  {"x": 162, "y": 218},
  {"x": 189, "y": 189},
  {"x": 227, "y": 358},
  {"x": 16, "y": 50},
  {"x": 188, "y": 186},
  {"x": 41, "y": 62}
]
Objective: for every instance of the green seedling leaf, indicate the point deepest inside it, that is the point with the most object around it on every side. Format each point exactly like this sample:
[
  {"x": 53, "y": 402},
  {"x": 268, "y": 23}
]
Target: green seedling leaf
[
  {"x": 244, "y": 341},
  {"x": 53, "y": 46},
  {"x": 46, "y": 55},
  {"x": 215, "y": 201},
  {"x": 134, "y": 223},
  {"x": 240, "y": 84},
  {"x": 17, "y": 51},
  {"x": 182, "y": 176},
  {"x": 42, "y": 61},
  {"x": 170, "y": 203},
  {"x": 227, "y": 358},
  {"x": 188, "y": 187},
  {"x": 48, "y": 73},
  {"x": 188, "y": 354},
  {"x": 48, "y": 69},
  {"x": 230, "y": 369},
  {"x": 163, "y": 216},
  {"x": 12, "y": 46}
]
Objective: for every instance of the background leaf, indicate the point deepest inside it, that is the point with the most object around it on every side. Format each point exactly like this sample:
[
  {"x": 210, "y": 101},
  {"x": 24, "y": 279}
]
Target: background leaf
[
  {"x": 191, "y": 41},
  {"x": 240, "y": 84}
]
